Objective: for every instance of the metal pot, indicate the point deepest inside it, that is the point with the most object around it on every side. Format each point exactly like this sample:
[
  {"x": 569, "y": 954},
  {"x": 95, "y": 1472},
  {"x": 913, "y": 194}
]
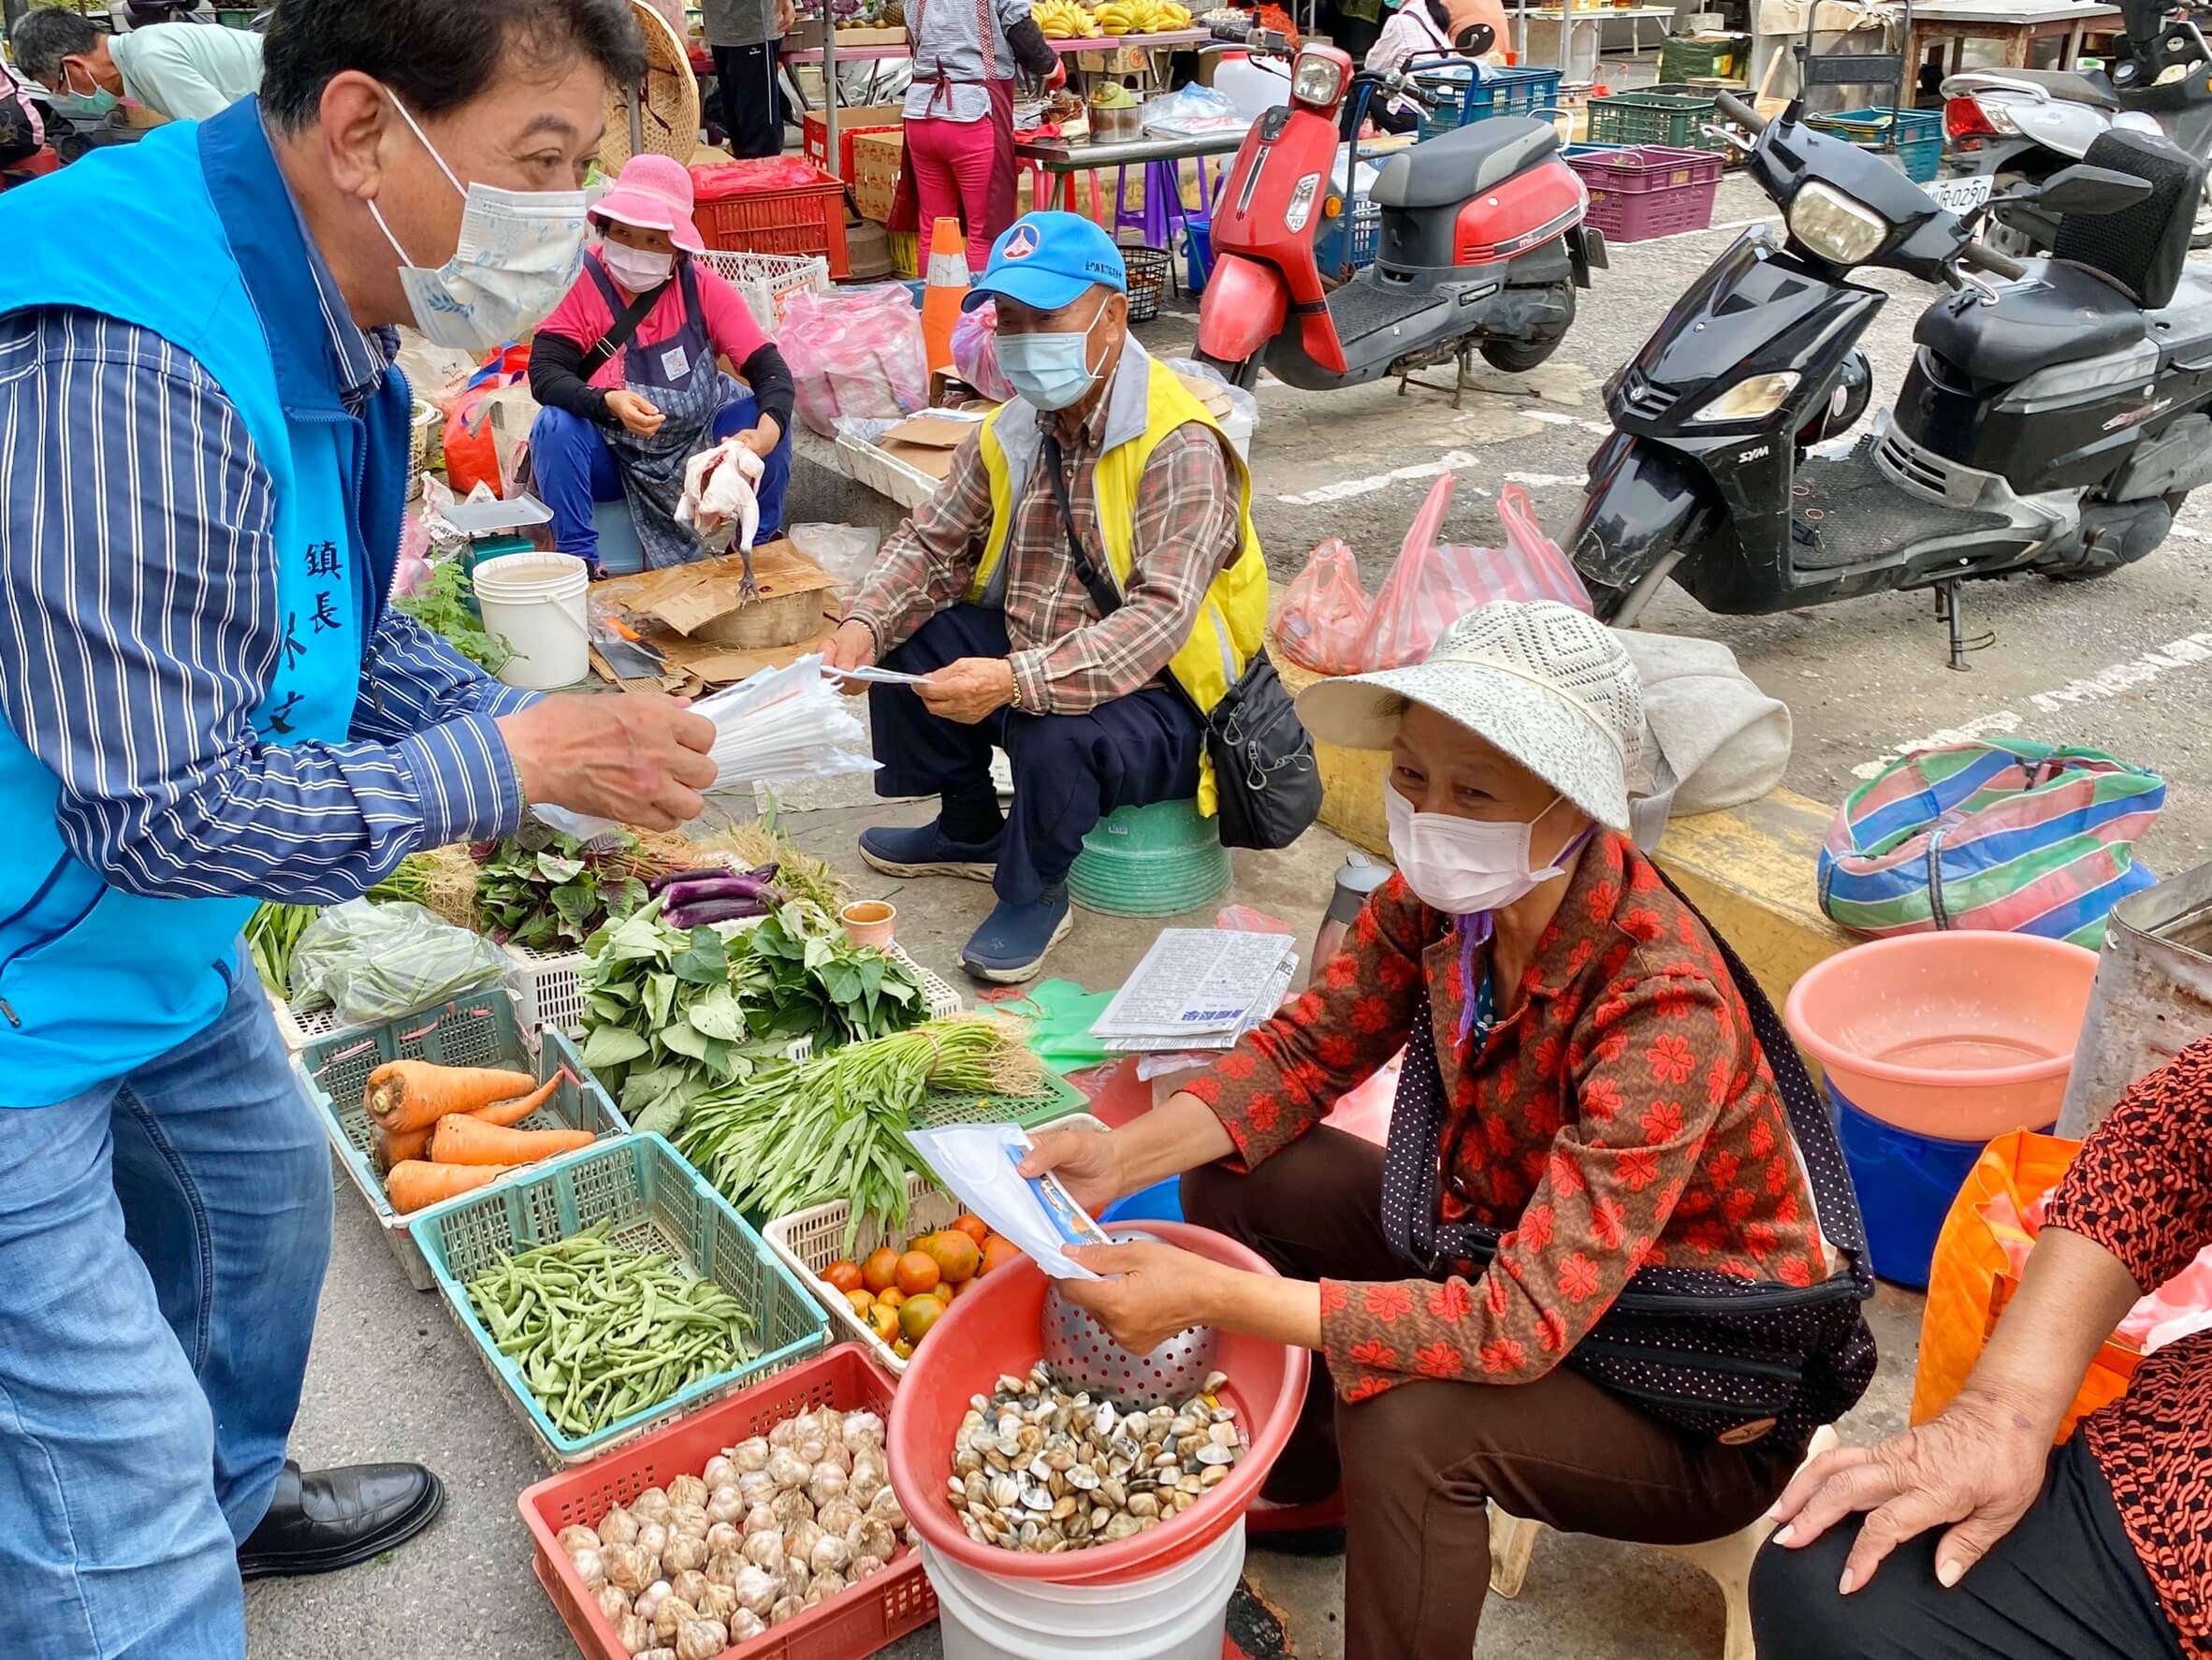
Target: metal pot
[{"x": 1111, "y": 124}]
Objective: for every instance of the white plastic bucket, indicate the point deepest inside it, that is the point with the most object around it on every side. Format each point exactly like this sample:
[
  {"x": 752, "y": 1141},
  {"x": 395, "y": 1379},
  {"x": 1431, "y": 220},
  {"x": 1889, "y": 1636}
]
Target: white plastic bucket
[
  {"x": 535, "y": 602},
  {"x": 1179, "y": 1614}
]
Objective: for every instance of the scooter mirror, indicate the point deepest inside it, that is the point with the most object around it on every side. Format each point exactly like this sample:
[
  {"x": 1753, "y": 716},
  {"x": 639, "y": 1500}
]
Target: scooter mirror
[{"x": 2082, "y": 189}]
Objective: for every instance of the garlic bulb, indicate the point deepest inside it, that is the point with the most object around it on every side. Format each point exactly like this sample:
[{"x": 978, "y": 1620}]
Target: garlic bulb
[
  {"x": 830, "y": 1551},
  {"x": 750, "y": 1455},
  {"x": 723, "y": 1569},
  {"x": 862, "y": 1429},
  {"x": 635, "y": 1635},
  {"x": 673, "y": 1612},
  {"x": 687, "y": 1490},
  {"x": 834, "y": 1456},
  {"x": 744, "y": 1626},
  {"x": 838, "y": 1517},
  {"x": 590, "y": 1568},
  {"x": 756, "y": 1487},
  {"x": 792, "y": 1508},
  {"x": 683, "y": 1552},
  {"x": 701, "y": 1640},
  {"x": 826, "y": 1584},
  {"x": 867, "y": 1568},
  {"x": 863, "y": 1485},
  {"x": 787, "y": 1607},
  {"x": 764, "y": 1548},
  {"x": 573, "y": 1539},
  {"x": 811, "y": 1451},
  {"x": 724, "y": 1504},
  {"x": 722, "y": 1537},
  {"x": 618, "y": 1527},
  {"x": 650, "y": 1505},
  {"x": 797, "y": 1575},
  {"x": 658, "y": 1651},
  {"x": 800, "y": 1540},
  {"x": 628, "y": 1566},
  {"x": 787, "y": 1469},
  {"x": 652, "y": 1538},
  {"x": 885, "y": 1507},
  {"x": 691, "y": 1520},
  {"x": 807, "y": 1426},
  {"x": 760, "y": 1519},
  {"x": 825, "y": 1486},
  {"x": 758, "y": 1589},
  {"x": 784, "y": 1434},
  {"x": 650, "y": 1598},
  {"x": 720, "y": 1472},
  {"x": 614, "y": 1603},
  {"x": 691, "y": 1586},
  {"x": 720, "y": 1602},
  {"x": 872, "y": 1537}
]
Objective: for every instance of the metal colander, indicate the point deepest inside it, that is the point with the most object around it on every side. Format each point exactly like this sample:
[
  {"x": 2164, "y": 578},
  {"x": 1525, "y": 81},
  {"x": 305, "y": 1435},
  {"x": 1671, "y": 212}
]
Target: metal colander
[{"x": 1082, "y": 1356}]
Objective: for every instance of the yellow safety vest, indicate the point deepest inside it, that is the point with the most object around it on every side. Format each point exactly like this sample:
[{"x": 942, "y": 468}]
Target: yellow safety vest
[{"x": 1232, "y": 622}]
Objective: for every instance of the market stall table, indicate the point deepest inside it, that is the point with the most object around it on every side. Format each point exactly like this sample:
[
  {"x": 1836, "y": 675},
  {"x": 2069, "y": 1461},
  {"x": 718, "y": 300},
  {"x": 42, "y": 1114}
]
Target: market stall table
[{"x": 1946, "y": 25}]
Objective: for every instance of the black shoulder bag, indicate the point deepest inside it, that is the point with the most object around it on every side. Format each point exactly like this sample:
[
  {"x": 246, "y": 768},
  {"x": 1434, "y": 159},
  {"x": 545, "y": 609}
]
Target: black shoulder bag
[
  {"x": 1268, "y": 787},
  {"x": 1732, "y": 1358}
]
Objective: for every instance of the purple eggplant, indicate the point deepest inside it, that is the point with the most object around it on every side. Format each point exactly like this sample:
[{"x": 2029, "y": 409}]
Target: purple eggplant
[
  {"x": 716, "y": 910},
  {"x": 660, "y": 884},
  {"x": 684, "y": 894}
]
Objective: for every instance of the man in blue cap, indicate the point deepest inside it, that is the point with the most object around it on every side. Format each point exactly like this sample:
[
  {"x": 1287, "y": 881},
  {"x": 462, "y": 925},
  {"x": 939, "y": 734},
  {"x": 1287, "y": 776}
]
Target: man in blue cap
[{"x": 1081, "y": 590}]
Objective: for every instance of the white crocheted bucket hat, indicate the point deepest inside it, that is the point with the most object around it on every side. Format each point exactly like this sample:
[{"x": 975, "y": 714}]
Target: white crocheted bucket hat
[{"x": 1549, "y": 686}]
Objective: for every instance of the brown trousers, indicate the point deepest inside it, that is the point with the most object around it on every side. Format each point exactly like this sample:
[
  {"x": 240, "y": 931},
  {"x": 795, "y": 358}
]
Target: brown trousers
[{"x": 1419, "y": 1461}]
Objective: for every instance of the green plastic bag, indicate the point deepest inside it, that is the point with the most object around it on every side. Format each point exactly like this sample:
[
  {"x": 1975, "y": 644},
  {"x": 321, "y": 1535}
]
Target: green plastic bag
[{"x": 1061, "y": 1013}]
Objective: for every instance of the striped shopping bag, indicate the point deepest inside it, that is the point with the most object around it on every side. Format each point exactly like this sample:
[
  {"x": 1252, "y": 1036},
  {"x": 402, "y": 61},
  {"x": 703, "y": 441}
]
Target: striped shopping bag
[{"x": 2007, "y": 835}]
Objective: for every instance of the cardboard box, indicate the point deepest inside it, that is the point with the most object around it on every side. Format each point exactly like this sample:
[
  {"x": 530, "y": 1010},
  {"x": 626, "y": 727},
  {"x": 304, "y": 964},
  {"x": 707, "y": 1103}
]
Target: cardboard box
[
  {"x": 852, "y": 124},
  {"x": 877, "y": 159},
  {"x": 926, "y": 442},
  {"x": 706, "y": 636}
]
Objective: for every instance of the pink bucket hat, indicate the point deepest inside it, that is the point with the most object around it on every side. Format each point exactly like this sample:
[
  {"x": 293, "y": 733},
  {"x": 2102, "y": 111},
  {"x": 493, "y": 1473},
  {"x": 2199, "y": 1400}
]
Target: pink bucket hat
[{"x": 654, "y": 193}]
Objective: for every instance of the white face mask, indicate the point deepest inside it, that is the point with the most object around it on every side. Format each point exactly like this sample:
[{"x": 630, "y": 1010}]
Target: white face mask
[
  {"x": 1463, "y": 867},
  {"x": 519, "y": 254},
  {"x": 635, "y": 268}
]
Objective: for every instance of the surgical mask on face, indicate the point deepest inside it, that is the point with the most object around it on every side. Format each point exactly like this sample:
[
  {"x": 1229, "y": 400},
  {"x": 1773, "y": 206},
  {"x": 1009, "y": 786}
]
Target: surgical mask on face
[
  {"x": 519, "y": 251},
  {"x": 95, "y": 105},
  {"x": 635, "y": 268},
  {"x": 1050, "y": 371},
  {"x": 1464, "y": 866}
]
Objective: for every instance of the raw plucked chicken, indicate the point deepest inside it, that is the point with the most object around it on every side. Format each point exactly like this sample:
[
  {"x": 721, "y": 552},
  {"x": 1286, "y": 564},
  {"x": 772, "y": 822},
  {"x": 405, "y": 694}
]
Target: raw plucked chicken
[{"x": 720, "y": 504}]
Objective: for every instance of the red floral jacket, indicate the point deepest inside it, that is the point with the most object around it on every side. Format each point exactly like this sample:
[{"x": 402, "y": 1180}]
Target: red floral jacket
[
  {"x": 1621, "y": 1114},
  {"x": 2142, "y": 1188}
]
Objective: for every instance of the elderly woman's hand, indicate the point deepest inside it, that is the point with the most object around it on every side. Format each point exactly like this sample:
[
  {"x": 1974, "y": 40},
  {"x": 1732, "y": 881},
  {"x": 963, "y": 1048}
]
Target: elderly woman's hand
[
  {"x": 1978, "y": 1465},
  {"x": 1088, "y": 1163},
  {"x": 1156, "y": 1290}
]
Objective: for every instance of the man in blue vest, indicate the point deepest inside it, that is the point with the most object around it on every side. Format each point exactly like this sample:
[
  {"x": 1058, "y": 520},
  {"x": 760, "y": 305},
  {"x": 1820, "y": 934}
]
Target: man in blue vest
[{"x": 208, "y": 703}]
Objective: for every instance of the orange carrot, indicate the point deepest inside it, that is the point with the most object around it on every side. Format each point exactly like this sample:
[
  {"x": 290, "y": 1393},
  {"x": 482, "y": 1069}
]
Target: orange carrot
[
  {"x": 412, "y": 1183},
  {"x": 387, "y": 1147},
  {"x": 522, "y": 1107},
  {"x": 462, "y": 1140},
  {"x": 415, "y": 1094}
]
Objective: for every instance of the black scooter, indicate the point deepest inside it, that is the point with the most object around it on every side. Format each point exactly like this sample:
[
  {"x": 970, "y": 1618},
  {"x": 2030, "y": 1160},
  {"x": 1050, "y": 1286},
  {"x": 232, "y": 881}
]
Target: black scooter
[{"x": 2052, "y": 421}]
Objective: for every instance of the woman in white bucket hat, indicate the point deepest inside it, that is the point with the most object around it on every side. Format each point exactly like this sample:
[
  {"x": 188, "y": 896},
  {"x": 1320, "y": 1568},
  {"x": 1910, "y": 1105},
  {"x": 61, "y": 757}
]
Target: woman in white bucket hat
[{"x": 1585, "y": 1099}]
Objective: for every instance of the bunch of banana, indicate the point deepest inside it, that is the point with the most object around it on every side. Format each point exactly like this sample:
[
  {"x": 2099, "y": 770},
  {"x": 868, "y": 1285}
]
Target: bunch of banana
[
  {"x": 1064, "y": 19},
  {"x": 1142, "y": 17}
]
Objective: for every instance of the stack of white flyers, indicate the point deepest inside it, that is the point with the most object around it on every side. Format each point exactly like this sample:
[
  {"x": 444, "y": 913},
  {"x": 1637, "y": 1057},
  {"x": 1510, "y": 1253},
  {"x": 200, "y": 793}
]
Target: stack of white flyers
[{"x": 1199, "y": 988}]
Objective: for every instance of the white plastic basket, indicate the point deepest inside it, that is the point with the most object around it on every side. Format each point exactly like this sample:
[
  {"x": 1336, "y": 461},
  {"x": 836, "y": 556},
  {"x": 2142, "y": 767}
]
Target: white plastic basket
[
  {"x": 767, "y": 279},
  {"x": 549, "y": 987},
  {"x": 809, "y": 1241}
]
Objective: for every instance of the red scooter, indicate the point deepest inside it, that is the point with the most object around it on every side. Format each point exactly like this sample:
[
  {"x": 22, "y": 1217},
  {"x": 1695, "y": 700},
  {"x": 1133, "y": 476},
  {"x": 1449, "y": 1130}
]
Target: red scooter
[{"x": 1480, "y": 249}]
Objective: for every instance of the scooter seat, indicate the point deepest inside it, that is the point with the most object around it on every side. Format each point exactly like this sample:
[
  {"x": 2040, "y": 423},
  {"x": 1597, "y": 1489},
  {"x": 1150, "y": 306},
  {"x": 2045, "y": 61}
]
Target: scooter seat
[
  {"x": 1454, "y": 166},
  {"x": 2061, "y": 313},
  {"x": 2061, "y": 83}
]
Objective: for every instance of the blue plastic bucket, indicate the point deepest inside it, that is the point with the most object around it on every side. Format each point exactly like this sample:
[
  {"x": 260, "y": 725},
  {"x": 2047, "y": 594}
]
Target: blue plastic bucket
[
  {"x": 1197, "y": 251},
  {"x": 1160, "y": 1202},
  {"x": 1906, "y": 1183}
]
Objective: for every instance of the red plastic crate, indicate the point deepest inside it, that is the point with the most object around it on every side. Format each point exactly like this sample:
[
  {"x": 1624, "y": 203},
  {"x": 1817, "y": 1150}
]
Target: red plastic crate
[
  {"x": 870, "y": 118},
  {"x": 1641, "y": 191},
  {"x": 789, "y": 219},
  {"x": 856, "y": 1621}
]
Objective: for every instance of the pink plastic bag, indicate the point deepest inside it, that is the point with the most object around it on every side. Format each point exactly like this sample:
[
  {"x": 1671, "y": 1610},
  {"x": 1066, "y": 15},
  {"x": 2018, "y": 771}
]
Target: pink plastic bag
[
  {"x": 855, "y": 353},
  {"x": 1326, "y": 612},
  {"x": 1433, "y": 584},
  {"x": 975, "y": 351}
]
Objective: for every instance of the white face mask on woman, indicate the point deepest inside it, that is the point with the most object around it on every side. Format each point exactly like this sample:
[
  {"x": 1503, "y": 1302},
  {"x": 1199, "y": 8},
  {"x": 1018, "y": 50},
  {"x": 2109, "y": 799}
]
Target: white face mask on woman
[
  {"x": 519, "y": 254},
  {"x": 1464, "y": 866},
  {"x": 637, "y": 270}
]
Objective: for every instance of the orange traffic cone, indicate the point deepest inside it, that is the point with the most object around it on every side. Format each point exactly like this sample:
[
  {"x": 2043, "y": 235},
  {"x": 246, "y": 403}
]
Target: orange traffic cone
[{"x": 946, "y": 287}]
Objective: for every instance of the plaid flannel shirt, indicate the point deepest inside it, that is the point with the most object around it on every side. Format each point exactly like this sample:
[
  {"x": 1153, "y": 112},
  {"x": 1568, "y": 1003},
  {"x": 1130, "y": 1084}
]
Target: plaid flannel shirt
[{"x": 1066, "y": 660}]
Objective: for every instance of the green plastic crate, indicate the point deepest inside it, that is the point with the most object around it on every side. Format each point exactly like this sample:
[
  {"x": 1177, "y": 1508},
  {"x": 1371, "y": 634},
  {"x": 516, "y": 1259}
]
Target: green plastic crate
[
  {"x": 656, "y": 1202},
  {"x": 480, "y": 1028},
  {"x": 1150, "y": 861},
  {"x": 1675, "y": 119},
  {"x": 1057, "y": 1100},
  {"x": 1681, "y": 58}
]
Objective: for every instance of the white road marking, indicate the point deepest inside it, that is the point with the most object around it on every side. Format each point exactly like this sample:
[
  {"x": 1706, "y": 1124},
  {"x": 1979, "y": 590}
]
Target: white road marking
[
  {"x": 2115, "y": 680},
  {"x": 1449, "y": 462},
  {"x": 1545, "y": 481}
]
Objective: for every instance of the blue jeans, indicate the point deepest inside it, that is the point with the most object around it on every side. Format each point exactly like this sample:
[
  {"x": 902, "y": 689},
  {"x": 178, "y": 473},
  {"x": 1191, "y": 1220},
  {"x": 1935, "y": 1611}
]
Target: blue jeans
[
  {"x": 162, "y": 1246},
  {"x": 574, "y": 469}
]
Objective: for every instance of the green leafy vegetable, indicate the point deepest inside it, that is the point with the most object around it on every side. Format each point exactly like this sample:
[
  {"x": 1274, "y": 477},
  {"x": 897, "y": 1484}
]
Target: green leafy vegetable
[
  {"x": 444, "y": 608},
  {"x": 550, "y": 897}
]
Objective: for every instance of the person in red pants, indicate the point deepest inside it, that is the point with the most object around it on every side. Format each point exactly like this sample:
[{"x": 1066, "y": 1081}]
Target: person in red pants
[{"x": 959, "y": 115}]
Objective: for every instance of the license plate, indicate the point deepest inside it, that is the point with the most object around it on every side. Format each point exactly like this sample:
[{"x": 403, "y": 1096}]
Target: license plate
[{"x": 1961, "y": 194}]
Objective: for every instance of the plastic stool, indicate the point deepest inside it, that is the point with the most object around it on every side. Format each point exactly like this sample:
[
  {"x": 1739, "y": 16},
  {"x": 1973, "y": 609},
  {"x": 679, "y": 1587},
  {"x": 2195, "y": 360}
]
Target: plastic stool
[
  {"x": 620, "y": 553},
  {"x": 1150, "y": 861},
  {"x": 1162, "y": 211},
  {"x": 1727, "y": 1560}
]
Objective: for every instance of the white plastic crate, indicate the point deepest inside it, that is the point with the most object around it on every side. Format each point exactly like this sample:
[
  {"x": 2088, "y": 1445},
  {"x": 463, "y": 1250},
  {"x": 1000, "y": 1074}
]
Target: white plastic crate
[
  {"x": 809, "y": 1241},
  {"x": 549, "y": 987},
  {"x": 767, "y": 279}
]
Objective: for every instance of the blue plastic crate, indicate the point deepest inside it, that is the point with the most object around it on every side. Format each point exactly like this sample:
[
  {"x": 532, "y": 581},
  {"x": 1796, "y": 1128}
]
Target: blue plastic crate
[
  {"x": 1496, "y": 92},
  {"x": 1348, "y": 242},
  {"x": 1919, "y": 134},
  {"x": 653, "y": 1201},
  {"x": 1197, "y": 251}
]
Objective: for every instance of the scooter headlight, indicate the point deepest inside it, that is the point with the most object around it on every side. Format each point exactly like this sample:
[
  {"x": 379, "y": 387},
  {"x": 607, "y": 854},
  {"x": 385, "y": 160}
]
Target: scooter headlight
[
  {"x": 1301, "y": 202},
  {"x": 1751, "y": 399},
  {"x": 1840, "y": 230},
  {"x": 1315, "y": 82}
]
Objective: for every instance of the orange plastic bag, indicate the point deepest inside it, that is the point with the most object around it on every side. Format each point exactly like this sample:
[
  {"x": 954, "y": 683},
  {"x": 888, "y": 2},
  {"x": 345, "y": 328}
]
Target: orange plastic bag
[
  {"x": 1325, "y": 614},
  {"x": 1978, "y": 1255},
  {"x": 471, "y": 456}
]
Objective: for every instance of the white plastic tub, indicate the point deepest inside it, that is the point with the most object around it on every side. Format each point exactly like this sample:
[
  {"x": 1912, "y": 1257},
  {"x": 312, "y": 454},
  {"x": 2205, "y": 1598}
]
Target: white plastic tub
[
  {"x": 535, "y": 602},
  {"x": 1179, "y": 1614}
]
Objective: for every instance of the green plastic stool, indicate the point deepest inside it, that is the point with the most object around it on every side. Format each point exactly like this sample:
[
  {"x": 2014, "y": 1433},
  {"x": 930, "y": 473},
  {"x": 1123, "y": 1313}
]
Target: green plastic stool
[{"x": 1150, "y": 861}]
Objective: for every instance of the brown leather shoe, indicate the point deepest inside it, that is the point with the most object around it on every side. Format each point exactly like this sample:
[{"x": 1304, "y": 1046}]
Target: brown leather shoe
[{"x": 327, "y": 1520}]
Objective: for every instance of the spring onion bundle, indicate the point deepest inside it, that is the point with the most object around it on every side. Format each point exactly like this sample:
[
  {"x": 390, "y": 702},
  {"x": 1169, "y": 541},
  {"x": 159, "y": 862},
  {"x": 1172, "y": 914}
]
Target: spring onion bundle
[{"x": 836, "y": 1126}]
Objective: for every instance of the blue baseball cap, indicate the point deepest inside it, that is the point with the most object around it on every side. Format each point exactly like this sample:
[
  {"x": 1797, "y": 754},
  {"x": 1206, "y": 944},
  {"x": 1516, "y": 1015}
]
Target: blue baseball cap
[{"x": 1046, "y": 260}]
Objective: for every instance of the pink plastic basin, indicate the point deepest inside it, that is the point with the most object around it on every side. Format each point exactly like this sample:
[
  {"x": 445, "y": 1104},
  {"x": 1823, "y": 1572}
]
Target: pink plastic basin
[
  {"x": 1959, "y": 1036},
  {"x": 993, "y": 1329}
]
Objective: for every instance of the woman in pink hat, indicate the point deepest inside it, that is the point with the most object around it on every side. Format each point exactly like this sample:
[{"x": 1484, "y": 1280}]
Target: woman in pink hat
[{"x": 627, "y": 374}]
